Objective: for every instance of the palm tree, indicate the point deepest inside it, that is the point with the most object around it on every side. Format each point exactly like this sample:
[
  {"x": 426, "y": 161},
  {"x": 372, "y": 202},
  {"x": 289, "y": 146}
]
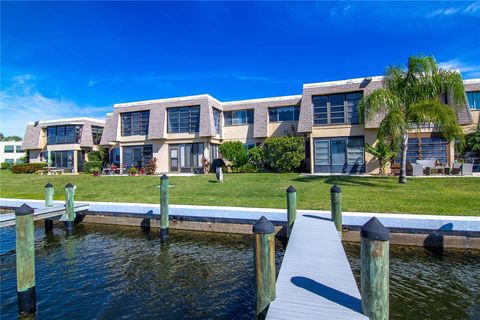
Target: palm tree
[
  {"x": 410, "y": 98},
  {"x": 382, "y": 152}
]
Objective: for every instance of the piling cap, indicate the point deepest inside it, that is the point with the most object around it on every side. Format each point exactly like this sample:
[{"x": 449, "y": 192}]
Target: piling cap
[
  {"x": 263, "y": 225},
  {"x": 49, "y": 185},
  {"x": 24, "y": 210},
  {"x": 335, "y": 189},
  {"x": 164, "y": 177},
  {"x": 374, "y": 230},
  {"x": 291, "y": 189},
  {"x": 69, "y": 185}
]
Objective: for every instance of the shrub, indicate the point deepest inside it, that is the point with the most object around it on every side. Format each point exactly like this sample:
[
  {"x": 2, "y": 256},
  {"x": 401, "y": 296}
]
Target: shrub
[
  {"x": 132, "y": 171},
  {"x": 235, "y": 152},
  {"x": 257, "y": 157},
  {"x": 246, "y": 168},
  {"x": 98, "y": 155},
  {"x": 284, "y": 154},
  {"x": 6, "y": 165},
  {"x": 89, "y": 165},
  {"x": 28, "y": 167},
  {"x": 151, "y": 167}
]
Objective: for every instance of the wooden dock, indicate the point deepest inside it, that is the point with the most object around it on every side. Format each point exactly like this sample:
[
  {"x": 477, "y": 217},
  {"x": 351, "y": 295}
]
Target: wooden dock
[
  {"x": 315, "y": 279},
  {"x": 55, "y": 213}
]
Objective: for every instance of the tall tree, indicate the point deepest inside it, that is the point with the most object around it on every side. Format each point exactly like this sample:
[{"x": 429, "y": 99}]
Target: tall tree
[{"x": 410, "y": 98}]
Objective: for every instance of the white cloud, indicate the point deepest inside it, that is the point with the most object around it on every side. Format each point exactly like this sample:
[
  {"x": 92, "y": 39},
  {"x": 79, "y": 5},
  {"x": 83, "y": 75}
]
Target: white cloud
[
  {"x": 471, "y": 9},
  {"x": 22, "y": 102},
  {"x": 467, "y": 69}
]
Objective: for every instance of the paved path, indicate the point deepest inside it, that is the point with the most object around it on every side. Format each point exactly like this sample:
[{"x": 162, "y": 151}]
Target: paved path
[{"x": 315, "y": 280}]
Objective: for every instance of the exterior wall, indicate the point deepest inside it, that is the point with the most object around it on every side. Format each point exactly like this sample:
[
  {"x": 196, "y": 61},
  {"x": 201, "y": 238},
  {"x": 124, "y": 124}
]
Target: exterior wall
[
  {"x": 14, "y": 156},
  {"x": 280, "y": 129},
  {"x": 243, "y": 133}
]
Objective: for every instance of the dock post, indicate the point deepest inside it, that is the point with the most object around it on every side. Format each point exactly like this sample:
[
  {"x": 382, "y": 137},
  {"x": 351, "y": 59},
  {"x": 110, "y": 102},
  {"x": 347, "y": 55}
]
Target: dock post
[
  {"x": 291, "y": 208},
  {"x": 336, "y": 203},
  {"x": 263, "y": 231},
  {"x": 49, "y": 191},
  {"x": 25, "y": 251},
  {"x": 69, "y": 205},
  {"x": 164, "y": 223},
  {"x": 374, "y": 271}
]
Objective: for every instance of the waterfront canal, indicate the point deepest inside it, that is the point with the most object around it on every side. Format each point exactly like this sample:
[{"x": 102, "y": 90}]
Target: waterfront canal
[{"x": 106, "y": 272}]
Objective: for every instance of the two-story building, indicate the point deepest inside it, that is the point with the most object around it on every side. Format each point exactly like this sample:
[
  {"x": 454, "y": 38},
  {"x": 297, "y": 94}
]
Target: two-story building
[
  {"x": 11, "y": 152},
  {"x": 63, "y": 143}
]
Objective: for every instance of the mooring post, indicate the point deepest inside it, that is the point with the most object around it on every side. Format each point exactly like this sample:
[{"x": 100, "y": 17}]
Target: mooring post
[
  {"x": 336, "y": 203},
  {"x": 219, "y": 174},
  {"x": 164, "y": 222},
  {"x": 69, "y": 205},
  {"x": 49, "y": 191},
  {"x": 291, "y": 208},
  {"x": 374, "y": 272},
  {"x": 25, "y": 251},
  {"x": 264, "y": 265}
]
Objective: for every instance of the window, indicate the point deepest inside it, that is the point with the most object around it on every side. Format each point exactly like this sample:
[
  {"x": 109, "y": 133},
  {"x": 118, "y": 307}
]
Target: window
[
  {"x": 19, "y": 149},
  {"x": 64, "y": 134},
  {"x": 137, "y": 156},
  {"x": 183, "y": 119},
  {"x": 425, "y": 148},
  {"x": 336, "y": 108},
  {"x": 9, "y": 149},
  {"x": 233, "y": 118},
  {"x": 61, "y": 159},
  {"x": 473, "y": 98},
  {"x": 18, "y": 161},
  {"x": 214, "y": 152},
  {"x": 188, "y": 155},
  {"x": 9, "y": 161},
  {"x": 135, "y": 123},
  {"x": 97, "y": 134},
  {"x": 216, "y": 119},
  {"x": 279, "y": 114}
]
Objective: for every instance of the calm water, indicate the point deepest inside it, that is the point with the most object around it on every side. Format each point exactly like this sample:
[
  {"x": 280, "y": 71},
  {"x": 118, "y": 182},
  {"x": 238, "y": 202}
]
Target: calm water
[{"x": 107, "y": 272}]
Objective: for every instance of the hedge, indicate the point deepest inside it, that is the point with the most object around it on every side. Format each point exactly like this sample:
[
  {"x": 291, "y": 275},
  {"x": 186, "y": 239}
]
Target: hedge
[
  {"x": 89, "y": 165},
  {"x": 28, "y": 167},
  {"x": 6, "y": 165}
]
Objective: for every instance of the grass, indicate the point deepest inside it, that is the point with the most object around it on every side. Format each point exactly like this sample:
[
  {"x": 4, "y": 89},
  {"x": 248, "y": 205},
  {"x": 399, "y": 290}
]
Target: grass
[{"x": 453, "y": 196}]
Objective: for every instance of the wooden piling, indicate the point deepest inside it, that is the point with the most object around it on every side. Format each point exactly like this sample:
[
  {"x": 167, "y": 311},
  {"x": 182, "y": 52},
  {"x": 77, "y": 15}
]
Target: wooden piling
[
  {"x": 69, "y": 211},
  {"x": 291, "y": 208},
  {"x": 336, "y": 208},
  {"x": 49, "y": 192},
  {"x": 164, "y": 212},
  {"x": 374, "y": 272},
  {"x": 25, "y": 252},
  {"x": 264, "y": 265}
]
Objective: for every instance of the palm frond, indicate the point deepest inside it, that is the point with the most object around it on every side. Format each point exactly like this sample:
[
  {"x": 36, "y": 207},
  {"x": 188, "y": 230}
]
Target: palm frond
[
  {"x": 379, "y": 101},
  {"x": 393, "y": 127}
]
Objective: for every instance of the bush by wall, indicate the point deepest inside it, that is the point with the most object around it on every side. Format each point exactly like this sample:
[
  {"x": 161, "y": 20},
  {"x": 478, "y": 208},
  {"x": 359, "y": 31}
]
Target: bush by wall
[
  {"x": 151, "y": 167},
  {"x": 6, "y": 165},
  {"x": 284, "y": 154},
  {"x": 89, "y": 165},
  {"x": 235, "y": 152},
  {"x": 28, "y": 167}
]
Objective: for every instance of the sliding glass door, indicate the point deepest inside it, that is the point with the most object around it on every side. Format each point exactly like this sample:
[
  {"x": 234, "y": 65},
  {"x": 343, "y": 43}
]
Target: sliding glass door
[
  {"x": 339, "y": 155},
  {"x": 186, "y": 157}
]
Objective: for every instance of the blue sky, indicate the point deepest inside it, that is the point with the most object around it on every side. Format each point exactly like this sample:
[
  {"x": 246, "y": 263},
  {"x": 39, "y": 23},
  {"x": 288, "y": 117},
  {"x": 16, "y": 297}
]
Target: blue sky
[{"x": 79, "y": 58}]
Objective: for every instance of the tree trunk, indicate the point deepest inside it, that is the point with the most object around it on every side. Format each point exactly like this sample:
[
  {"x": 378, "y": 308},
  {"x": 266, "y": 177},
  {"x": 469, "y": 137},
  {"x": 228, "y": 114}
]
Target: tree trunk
[
  {"x": 381, "y": 169},
  {"x": 403, "y": 166}
]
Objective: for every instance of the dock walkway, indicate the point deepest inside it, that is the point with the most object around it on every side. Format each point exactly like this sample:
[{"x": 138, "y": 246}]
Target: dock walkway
[{"x": 315, "y": 279}]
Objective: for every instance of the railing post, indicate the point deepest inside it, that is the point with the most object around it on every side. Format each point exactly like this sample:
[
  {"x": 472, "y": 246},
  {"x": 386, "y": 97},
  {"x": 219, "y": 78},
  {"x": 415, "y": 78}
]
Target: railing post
[
  {"x": 374, "y": 272},
  {"x": 336, "y": 207},
  {"x": 49, "y": 191},
  {"x": 291, "y": 208},
  {"x": 69, "y": 208},
  {"x": 25, "y": 251},
  {"x": 164, "y": 222},
  {"x": 264, "y": 265},
  {"x": 219, "y": 174}
]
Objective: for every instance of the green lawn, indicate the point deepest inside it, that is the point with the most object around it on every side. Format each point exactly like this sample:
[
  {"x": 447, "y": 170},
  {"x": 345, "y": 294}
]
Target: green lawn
[{"x": 457, "y": 196}]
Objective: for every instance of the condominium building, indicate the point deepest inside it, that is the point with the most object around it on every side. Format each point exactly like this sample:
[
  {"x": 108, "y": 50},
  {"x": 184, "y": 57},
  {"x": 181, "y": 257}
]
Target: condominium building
[
  {"x": 182, "y": 132},
  {"x": 63, "y": 143},
  {"x": 11, "y": 152}
]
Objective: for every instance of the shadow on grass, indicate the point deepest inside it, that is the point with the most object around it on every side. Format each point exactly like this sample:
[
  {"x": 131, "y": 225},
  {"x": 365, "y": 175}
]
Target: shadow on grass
[{"x": 349, "y": 180}]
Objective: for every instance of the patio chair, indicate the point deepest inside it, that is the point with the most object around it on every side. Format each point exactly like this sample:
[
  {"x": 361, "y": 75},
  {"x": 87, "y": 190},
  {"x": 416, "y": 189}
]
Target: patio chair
[
  {"x": 465, "y": 169},
  {"x": 414, "y": 169}
]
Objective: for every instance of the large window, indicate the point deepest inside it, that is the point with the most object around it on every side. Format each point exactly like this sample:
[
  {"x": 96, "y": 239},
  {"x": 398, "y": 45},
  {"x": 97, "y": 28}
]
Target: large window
[
  {"x": 336, "y": 108},
  {"x": 135, "y": 123},
  {"x": 183, "y": 119},
  {"x": 425, "y": 148},
  {"x": 9, "y": 148},
  {"x": 239, "y": 117},
  {"x": 61, "y": 159},
  {"x": 19, "y": 149},
  {"x": 216, "y": 119},
  {"x": 64, "y": 134},
  {"x": 279, "y": 114},
  {"x": 339, "y": 155},
  {"x": 137, "y": 156},
  {"x": 97, "y": 134},
  {"x": 474, "y": 99}
]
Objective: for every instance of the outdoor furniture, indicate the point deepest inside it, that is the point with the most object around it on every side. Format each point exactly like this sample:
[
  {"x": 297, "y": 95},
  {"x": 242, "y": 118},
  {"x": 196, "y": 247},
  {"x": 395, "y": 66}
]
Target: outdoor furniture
[
  {"x": 465, "y": 169},
  {"x": 414, "y": 169}
]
